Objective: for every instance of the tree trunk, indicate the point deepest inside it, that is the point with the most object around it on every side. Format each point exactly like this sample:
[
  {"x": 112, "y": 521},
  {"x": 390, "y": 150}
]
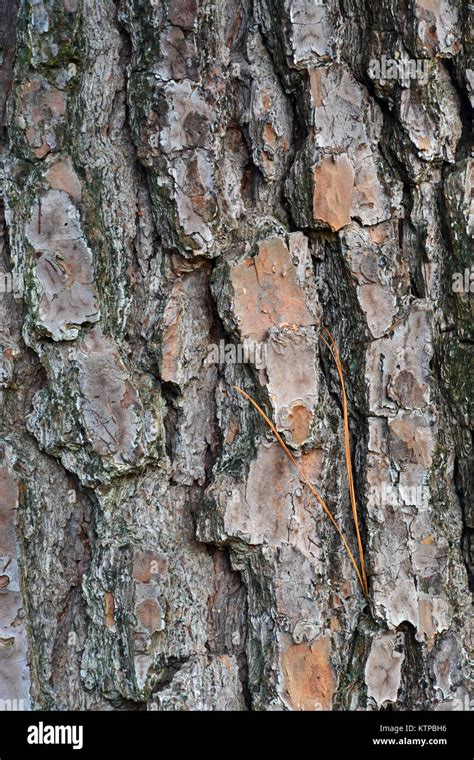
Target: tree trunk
[{"x": 193, "y": 189}]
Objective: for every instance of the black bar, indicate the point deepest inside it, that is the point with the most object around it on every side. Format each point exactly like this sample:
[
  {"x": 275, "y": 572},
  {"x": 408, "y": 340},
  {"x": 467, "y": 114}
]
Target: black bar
[{"x": 135, "y": 733}]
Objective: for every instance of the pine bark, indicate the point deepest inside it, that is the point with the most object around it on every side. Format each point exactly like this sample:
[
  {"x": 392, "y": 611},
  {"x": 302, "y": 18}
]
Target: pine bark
[{"x": 179, "y": 174}]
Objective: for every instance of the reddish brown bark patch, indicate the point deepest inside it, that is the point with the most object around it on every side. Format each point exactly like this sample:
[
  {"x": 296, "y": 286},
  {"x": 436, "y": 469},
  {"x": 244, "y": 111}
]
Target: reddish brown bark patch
[
  {"x": 309, "y": 675},
  {"x": 149, "y": 615},
  {"x": 266, "y": 292},
  {"x": 183, "y": 13},
  {"x": 148, "y": 565},
  {"x": 61, "y": 176},
  {"x": 411, "y": 441},
  {"x": 405, "y": 390},
  {"x": 300, "y": 418},
  {"x": 333, "y": 188},
  {"x": 109, "y": 610}
]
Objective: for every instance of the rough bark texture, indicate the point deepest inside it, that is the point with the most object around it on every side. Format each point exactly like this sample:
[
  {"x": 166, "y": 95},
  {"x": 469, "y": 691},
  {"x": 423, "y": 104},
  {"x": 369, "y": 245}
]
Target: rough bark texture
[{"x": 180, "y": 172}]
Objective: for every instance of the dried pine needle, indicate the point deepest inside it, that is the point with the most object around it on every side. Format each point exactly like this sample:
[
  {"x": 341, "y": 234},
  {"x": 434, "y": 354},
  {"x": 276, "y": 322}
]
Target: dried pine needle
[
  {"x": 350, "y": 478},
  {"x": 320, "y": 500}
]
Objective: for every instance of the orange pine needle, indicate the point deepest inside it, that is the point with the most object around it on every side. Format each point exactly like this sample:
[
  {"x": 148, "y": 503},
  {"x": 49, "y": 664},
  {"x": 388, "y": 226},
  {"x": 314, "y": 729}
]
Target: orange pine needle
[
  {"x": 307, "y": 482},
  {"x": 337, "y": 360}
]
